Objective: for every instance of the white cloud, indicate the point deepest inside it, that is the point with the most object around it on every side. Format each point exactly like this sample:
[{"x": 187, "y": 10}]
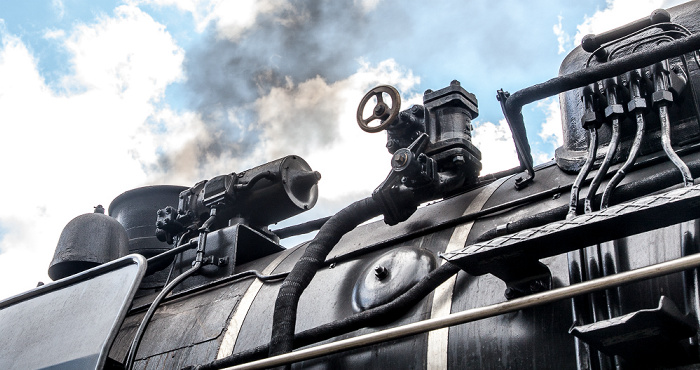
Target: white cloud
[
  {"x": 305, "y": 119},
  {"x": 59, "y": 8},
  {"x": 366, "y": 5},
  {"x": 496, "y": 145},
  {"x": 563, "y": 38},
  {"x": 54, "y": 34},
  {"x": 313, "y": 119},
  {"x": 231, "y": 18},
  {"x": 129, "y": 55},
  {"x": 78, "y": 142},
  {"x": 551, "y": 130}
]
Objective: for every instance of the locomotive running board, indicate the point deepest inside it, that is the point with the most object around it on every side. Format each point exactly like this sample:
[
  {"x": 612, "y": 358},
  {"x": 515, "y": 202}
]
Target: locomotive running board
[{"x": 516, "y": 255}]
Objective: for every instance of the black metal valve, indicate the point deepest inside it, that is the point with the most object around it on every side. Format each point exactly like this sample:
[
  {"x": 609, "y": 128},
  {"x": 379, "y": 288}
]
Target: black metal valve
[{"x": 433, "y": 155}]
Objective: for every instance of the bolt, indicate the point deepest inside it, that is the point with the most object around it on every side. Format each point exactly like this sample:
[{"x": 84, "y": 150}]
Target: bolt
[
  {"x": 379, "y": 110},
  {"x": 556, "y": 196},
  {"x": 510, "y": 293},
  {"x": 518, "y": 180},
  {"x": 427, "y": 92},
  {"x": 455, "y": 83},
  {"x": 458, "y": 160},
  {"x": 381, "y": 272},
  {"x": 161, "y": 213},
  {"x": 401, "y": 158}
]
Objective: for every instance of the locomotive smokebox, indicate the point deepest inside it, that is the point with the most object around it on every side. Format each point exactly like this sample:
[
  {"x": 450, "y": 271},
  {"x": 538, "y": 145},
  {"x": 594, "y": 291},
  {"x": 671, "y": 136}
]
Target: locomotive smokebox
[{"x": 87, "y": 241}]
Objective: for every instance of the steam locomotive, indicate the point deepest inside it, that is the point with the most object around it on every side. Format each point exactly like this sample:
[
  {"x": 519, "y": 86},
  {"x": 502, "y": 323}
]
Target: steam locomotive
[{"x": 586, "y": 262}]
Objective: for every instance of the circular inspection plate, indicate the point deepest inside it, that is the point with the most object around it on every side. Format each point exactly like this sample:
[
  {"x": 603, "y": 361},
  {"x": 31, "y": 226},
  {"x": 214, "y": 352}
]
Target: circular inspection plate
[{"x": 390, "y": 275}]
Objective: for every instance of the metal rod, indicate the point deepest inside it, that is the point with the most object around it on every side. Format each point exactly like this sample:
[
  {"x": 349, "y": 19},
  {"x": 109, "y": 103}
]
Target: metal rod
[
  {"x": 634, "y": 152},
  {"x": 668, "y": 149},
  {"x": 179, "y": 249},
  {"x": 590, "y": 158},
  {"x": 517, "y": 304},
  {"x": 606, "y": 70},
  {"x": 514, "y": 104},
  {"x": 603, "y": 169}
]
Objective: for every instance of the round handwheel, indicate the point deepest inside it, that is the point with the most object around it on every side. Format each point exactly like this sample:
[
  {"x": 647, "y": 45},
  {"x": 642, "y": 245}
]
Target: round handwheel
[{"x": 381, "y": 111}]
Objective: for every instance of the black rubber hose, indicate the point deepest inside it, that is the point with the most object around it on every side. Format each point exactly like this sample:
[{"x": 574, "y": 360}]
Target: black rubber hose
[
  {"x": 372, "y": 316},
  {"x": 603, "y": 169},
  {"x": 631, "y": 158},
  {"x": 285, "y": 313}
]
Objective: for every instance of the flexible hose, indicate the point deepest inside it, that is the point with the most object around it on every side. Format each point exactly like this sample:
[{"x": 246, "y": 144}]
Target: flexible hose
[
  {"x": 634, "y": 152},
  {"x": 590, "y": 158},
  {"x": 129, "y": 364},
  {"x": 285, "y": 313},
  {"x": 201, "y": 245},
  {"x": 603, "y": 169}
]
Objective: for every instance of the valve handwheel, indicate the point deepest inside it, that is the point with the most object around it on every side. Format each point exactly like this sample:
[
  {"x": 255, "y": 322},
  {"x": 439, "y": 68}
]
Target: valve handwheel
[{"x": 381, "y": 111}]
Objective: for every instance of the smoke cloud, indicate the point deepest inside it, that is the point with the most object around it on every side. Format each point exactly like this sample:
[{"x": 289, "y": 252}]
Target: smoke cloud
[{"x": 238, "y": 75}]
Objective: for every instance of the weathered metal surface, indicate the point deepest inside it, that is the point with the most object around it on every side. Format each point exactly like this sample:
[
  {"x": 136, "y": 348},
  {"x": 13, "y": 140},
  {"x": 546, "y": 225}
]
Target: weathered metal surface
[
  {"x": 213, "y": 320},
  {"x": 87, "y": 241},
  {"x": 70, "y": 323}
]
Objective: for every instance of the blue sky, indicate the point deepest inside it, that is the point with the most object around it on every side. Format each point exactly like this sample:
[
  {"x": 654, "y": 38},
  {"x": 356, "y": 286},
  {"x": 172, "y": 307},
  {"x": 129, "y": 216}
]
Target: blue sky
[{"x": 98, "y": 97}]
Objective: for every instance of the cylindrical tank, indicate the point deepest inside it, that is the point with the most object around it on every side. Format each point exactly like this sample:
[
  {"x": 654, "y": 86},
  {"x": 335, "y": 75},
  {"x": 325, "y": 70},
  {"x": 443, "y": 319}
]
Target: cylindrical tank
[
  {"x": 87, "y": 241},
  {"x": 271, "y": 201}
]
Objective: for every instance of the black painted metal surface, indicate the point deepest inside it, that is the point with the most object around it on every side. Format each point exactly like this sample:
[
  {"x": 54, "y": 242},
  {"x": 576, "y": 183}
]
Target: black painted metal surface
[{"x": 375, "y": 263}]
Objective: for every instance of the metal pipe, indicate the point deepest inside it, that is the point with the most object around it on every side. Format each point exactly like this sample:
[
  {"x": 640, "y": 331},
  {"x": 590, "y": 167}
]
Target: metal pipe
[
  {"x": 171, "y": 252},
  {"x": 590, "y": 158},
  {"x": 513, "y": 106},
  {"x": 603, "y": 169},
  {"x": 300, "y": 229},
  {"x": 475, "y": 314},
  {"x": 607, "y": 70},
  {"x": 668, "y": 149},
  {"x": 622, "y": 171}
]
